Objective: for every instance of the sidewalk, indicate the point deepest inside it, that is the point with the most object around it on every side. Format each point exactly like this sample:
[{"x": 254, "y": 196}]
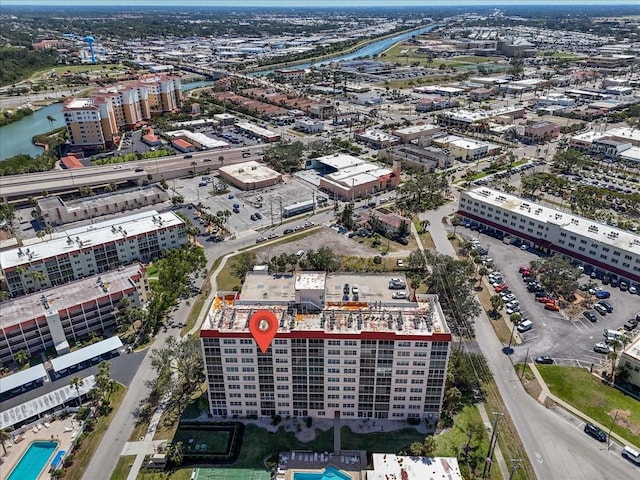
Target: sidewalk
[{"x": 546, "y": 393}]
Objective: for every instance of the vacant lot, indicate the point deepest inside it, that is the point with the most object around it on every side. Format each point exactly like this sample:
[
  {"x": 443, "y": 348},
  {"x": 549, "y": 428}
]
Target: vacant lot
[
  {"x": 340, "y": 244},
  {"x": 600, "y": 402}
]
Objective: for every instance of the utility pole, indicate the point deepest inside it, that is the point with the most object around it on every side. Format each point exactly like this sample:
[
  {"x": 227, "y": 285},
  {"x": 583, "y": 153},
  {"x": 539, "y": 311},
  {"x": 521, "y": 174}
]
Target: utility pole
[
  {"x": 492, "y": 442},
  {"x": 516, "y": 463}
]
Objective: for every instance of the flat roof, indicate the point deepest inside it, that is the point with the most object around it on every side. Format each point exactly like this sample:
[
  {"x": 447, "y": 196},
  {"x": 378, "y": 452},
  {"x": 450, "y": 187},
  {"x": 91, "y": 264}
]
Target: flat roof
[
  {"x": 340, "y": 160},
  {"x": 417, "y": 129},
  {"x": 250, "y": 127},
  {"x": 388, "y": 465},
  {"x": 74, "y": 240},
  {"x": 45, "y": 402},
  {"x": 375, "y": 311},
  {"x": 467, "y": 143},
  {"x": 87, "y": 353},
  {"x": 197, "y": 137},
  {"x": 100, "y": 200},
  {"x": 69, "y": 295},
  {"x": 21, "y": 378},
  {"x": 616, "y": 237},
  {"x": 310, "y": 281},
  {"x": 633, "y": 349},
  {"x": 250, "y": 171}
]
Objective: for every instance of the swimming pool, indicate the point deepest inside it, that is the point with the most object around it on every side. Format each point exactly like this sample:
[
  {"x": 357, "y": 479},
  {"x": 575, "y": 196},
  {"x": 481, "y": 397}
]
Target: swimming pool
[
  {"x": 33, "y": 461},
  {"x": 329, "y": 473}
]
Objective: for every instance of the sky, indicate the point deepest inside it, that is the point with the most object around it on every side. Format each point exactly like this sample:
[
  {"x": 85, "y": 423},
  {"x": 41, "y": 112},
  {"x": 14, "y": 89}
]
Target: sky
[{"x": 313, "y": 3}]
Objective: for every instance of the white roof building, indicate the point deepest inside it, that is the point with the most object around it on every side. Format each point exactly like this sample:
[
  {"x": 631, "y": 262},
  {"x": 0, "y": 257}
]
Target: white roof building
[{"x": 388, "y": 466}]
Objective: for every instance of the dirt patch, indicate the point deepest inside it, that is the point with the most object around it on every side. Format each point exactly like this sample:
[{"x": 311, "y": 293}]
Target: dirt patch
[
  {"x": 625, "y": 421},
  {"x": 340, "y": 244}
]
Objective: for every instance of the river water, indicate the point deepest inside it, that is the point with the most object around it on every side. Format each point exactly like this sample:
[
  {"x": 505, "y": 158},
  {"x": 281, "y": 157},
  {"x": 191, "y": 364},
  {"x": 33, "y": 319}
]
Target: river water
[{"x": 15, "y": 138}]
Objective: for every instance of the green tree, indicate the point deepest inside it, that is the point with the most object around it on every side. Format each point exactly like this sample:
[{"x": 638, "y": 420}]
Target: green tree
[
  {"x": 454, "y": 280},
  {"x": 21, "y": 357},
  {"x": 77, "y": 382},
  {"x": 497, "y": 304},
  {"x": 323, "y": 260},
  {"x": 242, "y": 263},
  {"x": 558, "y": 275},
  {"x": 346, "y": 216},
  {"x": 180, "y": 372},
  {"x": 175, "y": 454},
  {"x": 5, "y": 436}
]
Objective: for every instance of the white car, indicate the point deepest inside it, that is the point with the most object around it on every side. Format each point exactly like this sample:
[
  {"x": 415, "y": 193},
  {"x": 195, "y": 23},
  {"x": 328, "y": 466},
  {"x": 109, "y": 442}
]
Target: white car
[
  {"x": 602, "y": 347},
  {"x": 509, "y": 298},
  {"x": 513, "y": 303},
  {"x": 633, "y": 289},
  {"x": 512, "y": 310},
  {"x": 400, "y": 263},
  {"x": 399, "y": 295}
]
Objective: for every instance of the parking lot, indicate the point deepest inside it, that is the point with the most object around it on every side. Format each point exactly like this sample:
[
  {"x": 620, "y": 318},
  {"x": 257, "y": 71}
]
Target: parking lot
[
  {"x": 553, "y": 333},
  {"x": 268, "y": 202}
]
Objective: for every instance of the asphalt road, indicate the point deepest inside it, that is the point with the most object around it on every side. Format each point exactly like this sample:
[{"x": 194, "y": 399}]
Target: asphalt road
[
  {"x": 557, "y": 448},
  {"x": 123, "y": 368}
]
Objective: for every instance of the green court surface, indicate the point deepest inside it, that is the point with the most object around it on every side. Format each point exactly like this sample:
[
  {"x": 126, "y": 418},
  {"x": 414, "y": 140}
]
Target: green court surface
[{"x": 231, "y": 474}]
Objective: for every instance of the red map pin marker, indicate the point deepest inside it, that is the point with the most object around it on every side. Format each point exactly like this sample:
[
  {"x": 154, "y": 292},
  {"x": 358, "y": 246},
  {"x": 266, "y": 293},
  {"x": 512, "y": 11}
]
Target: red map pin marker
[{"x": 263, "y": 325}]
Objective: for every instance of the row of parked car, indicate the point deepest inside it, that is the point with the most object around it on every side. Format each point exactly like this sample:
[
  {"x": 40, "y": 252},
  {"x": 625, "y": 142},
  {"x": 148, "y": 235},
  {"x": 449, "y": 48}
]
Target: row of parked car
[{"x": 510, "y": 301}]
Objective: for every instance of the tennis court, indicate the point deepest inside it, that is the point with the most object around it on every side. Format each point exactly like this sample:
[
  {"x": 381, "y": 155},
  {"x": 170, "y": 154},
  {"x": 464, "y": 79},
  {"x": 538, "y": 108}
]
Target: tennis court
[{"x": 231, "y": 474}]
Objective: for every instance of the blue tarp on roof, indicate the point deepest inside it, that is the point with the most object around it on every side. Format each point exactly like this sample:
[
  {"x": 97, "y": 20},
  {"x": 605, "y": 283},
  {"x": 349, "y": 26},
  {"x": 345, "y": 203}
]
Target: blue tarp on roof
[
  {"x": 22, "y": 378},
  {"x": 86, "y": 353}
]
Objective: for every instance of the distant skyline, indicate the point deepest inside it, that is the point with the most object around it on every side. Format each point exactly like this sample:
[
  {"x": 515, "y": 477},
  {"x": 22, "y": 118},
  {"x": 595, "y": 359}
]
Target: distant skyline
[{"x": 312, "y": 3}]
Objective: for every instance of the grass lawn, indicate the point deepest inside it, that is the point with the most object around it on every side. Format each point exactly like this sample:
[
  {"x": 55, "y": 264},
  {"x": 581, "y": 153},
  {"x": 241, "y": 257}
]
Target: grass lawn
[
  {"x": 216, "y": 441},
  {"x": 427, "y": 241},
  {"x": 90, "y": 444},
  {"x": 102, "y": 69},
  {"x": 180, "y": 474},
  {"x": 196, "y": 307},
  {"x": 259, "y": 444},
  {"x": 379, "y": 441},
  {"x": 450, "y": 443},
  {"x": 123, "y": 467},
  {"x": 225, "y": 280},
  {"x": 588, "y": 394}
]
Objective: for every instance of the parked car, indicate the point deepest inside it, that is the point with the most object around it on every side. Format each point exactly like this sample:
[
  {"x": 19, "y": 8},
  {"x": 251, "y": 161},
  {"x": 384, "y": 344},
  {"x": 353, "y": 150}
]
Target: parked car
[
  {"x": 260, "y": 239},
  {"x": 607, "y": 305},
  {"x": 509, "y": 298},
  {"x": 525, "y": 326},
  {"x": 400, "y": 264},
  {"x": 632, "y": 455},
  {"x": 624, "y": 286},
  {"x": 630, "y": 324},
  {"x": 552, "y": 306},
  {"x": 346, "y": 289},
  {"x": 513, "y": 309},
  {"x": 287, "y": 231},
  {"x": 258, "y": 215},
  {"x": 399, "y": 295},
  {"x": 501, "y": 287},
  {"x": 601, "y": 294},
  {"x": 545, "y": 360},
  {"x": 602, "y": 347},
  {"x": 595, "y": 432},
  {"x": 523, "y": 270},
  {"x": 600, "y": 309},
  {"x": 589, "y": 315},
  {"x": 272, "y": 236}
]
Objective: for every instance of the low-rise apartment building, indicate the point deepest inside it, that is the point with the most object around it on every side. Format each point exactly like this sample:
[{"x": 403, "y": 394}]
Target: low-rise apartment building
[
  {"x": 56, "y": 317},
  {"x": 587, "y": 242},
  {"x": 90, "y": 250}
]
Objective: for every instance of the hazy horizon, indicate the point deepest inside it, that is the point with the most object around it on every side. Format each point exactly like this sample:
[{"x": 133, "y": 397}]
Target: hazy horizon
[{"x": 310, "y": 3}]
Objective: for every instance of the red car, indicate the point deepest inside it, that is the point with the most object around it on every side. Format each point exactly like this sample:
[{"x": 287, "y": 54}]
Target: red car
[
  {"x": 544, "y": 299},
  {"x": 502, "y": 287},
  {"x": 552, "y": 306},
  {"x": 524, "y": 271}
]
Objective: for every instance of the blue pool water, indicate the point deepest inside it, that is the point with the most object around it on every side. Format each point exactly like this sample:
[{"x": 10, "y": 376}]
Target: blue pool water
[
  {"x": 329, "y": 473},
  {"x": 33, "y": 461}
]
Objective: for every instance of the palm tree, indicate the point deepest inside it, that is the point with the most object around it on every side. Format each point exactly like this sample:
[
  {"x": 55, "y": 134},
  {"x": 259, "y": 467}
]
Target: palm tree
[
  {"x": 497, "y": 304},
  {"x": 77, "y": 383},
  {"x": 21, "y": 356},
  {"x": 4, "y": 437},
  {"x": 50, "y": 119},
  {"x": 221, "y": 160}
]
